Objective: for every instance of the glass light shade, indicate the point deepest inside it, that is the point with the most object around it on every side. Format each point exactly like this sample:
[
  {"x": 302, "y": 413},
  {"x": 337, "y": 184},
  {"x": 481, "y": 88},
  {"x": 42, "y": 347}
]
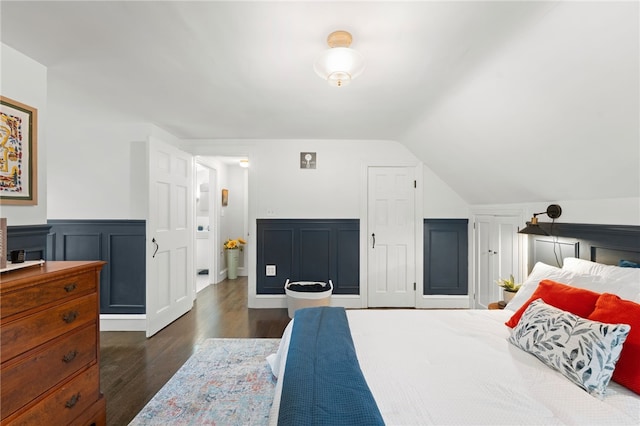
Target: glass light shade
[
  {"x": 339, "y": 65},
  {"x": 244, "y": 163}
]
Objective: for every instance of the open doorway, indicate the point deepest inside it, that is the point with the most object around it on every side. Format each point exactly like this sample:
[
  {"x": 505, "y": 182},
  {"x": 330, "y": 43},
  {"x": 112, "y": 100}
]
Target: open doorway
[
  {"x": 206, "y": 265},
  {"x": 218, "y": 220}
]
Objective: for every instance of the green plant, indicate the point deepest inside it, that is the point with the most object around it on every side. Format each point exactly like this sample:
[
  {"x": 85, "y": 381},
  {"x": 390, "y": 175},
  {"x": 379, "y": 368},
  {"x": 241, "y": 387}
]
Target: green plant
[{"x": 509, "y": 285}]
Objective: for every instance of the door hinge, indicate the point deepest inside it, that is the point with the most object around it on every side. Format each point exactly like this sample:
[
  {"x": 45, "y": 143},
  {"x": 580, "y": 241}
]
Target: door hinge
[
  {"x": 414, "y": 286},
  {"x": 415, "y": 183}
]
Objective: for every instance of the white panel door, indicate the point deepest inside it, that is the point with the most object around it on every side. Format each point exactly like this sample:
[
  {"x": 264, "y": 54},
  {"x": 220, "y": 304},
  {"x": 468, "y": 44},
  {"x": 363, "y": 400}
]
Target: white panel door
[
  {"x": 496, "y": 256},
  {"x": 169, "y": 288},
  {"x": 391, "y": 260},
  {"x": 487, "y": 291}
]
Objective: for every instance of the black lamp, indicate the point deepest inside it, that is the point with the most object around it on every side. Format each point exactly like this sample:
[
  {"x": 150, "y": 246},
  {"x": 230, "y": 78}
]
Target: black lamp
[{"x": 533, "y": 228}]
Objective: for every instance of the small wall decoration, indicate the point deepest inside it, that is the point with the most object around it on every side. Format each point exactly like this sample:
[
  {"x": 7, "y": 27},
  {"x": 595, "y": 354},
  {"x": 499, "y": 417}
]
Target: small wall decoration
[
  {"x": 225, "y": 197},
  {"x": 18, "y": 153},
  {"x": 307, "y": 160}
]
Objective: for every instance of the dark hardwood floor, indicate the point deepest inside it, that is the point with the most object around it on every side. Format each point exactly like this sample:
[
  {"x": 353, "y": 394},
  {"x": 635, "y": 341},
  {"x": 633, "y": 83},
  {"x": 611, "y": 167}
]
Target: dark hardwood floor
[{"x": 133, "y": 368}]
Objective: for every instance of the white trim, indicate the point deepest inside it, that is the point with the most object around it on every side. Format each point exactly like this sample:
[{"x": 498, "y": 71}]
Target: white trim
[
  {"x": 364, "y": 238},
  {"x": 267, "y": 301},
  {"x": 419, "y": 241},
  {"x": 123, "y": 322},
  {"x": 444, "y": 302}
]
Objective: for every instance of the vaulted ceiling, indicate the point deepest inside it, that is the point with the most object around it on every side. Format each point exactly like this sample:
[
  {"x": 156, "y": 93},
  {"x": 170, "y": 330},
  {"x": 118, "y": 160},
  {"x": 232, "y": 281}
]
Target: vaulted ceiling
[{"x": 507, "y": 101}]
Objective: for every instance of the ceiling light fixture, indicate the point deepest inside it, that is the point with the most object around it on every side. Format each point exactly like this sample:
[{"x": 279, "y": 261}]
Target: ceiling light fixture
[
  {"x": 244, "y": 163},
  {"x": 339, "y": 64},
  {"x": 533, "y": 228}
]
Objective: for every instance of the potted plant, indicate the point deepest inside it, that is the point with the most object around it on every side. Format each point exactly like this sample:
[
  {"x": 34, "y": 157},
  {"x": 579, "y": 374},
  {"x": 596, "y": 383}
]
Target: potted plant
[
  {"x": 509, "y": 288},
  {"x": 233, "y": 247}
]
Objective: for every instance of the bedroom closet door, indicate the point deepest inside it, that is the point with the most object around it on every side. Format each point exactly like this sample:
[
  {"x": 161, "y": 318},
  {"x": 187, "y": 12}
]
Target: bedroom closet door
[
  {"x": 170, "y": 241},
  {"x": 391, "y": 253},
  {"x": 496, "y": 255}
]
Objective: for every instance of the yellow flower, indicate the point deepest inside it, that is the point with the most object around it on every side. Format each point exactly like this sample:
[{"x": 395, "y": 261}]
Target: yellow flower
[{"x": 234, "y": 244}]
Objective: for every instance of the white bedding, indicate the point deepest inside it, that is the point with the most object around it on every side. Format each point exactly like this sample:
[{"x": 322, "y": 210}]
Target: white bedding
[{"x": 457, "y": 367}]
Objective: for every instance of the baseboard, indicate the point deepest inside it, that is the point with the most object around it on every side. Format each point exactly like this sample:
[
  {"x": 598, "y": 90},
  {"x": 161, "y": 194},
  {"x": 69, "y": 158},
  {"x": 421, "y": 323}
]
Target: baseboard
[
  {"x": 123, "y": 322},
  {"x": 269, "y": 301},
  {"x": 443, "y": 302},
  {"x": 280, "y": 301}
]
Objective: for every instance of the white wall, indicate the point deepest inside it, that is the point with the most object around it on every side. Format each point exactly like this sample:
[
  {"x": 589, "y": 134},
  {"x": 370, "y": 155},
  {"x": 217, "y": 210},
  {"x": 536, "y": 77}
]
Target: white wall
[
  {"x": 25, "y": 80},
  {"x": 439, "y": 200},
  {"x": 279, "y": 188},
  {"x": 611, "y": 211},
  {"x": 98, "y": 170},
  {"x": 332, "y": 190}
]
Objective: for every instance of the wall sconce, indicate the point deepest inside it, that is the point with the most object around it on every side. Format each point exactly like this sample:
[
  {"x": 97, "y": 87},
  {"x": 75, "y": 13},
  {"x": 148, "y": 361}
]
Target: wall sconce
[{"x": 533, "y": 228}]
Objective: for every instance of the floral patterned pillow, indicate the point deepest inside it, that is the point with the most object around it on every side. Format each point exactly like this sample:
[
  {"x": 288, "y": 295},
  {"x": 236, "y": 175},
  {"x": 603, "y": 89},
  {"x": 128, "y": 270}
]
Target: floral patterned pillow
[{"x": 584, "y": 351}]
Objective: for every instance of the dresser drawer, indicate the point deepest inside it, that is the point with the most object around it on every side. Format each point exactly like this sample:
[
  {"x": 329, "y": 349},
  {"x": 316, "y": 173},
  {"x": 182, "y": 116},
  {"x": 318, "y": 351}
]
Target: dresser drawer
[
  {"x": 28, "y": 332},
  {"x": 65, "y": 404},
  {"x": 14, "y": 302},
  {"x": 32, "y": 375}
]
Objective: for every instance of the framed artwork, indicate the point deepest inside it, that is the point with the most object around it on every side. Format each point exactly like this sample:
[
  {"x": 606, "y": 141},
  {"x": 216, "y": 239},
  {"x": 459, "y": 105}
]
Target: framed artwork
[
  {"x": 18, "y": 153},
  {"x": 3, "y": 242},
  {"x": 225, "y": 197},
  {"x": 307, "y": 160}
]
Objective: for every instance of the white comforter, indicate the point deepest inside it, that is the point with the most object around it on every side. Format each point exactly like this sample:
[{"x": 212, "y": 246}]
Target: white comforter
[{"x": 457, "y": 367}]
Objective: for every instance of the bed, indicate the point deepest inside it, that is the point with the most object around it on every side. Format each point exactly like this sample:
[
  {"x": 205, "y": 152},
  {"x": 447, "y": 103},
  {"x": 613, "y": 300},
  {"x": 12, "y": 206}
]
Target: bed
[{"x": 423, "y": 367}]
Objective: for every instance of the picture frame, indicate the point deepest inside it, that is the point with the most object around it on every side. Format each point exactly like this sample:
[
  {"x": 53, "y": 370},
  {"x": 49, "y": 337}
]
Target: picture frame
[
  {"x": 308, "y": 160},
  {"x": 225, "y": 197},
  {"x": 18, "y": 153},
  {"x": 3, "y": 242}
]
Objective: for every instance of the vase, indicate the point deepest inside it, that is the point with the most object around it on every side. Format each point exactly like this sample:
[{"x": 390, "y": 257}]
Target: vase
[
  {"x": 508, "y": 295},
  {"x": 232, "y": 263}
]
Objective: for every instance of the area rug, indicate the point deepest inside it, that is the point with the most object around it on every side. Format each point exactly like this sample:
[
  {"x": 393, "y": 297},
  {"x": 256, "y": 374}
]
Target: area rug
[{"x": 225, "y": 382}]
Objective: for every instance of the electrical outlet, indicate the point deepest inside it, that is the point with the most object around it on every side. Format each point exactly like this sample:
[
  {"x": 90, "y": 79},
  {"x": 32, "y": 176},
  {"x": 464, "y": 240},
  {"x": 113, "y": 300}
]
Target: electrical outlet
[{"x": 271, "y": 270}]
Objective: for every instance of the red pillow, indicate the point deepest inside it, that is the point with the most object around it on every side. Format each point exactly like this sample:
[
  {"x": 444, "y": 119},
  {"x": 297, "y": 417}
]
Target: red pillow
[
  {"x": 611, "y": 309},
  {"x": 578, "y": 301}
]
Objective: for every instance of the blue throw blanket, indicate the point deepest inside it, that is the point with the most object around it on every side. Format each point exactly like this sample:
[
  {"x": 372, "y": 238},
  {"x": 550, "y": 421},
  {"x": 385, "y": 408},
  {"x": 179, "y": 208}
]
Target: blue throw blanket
[{"x": 323, "y": 383}]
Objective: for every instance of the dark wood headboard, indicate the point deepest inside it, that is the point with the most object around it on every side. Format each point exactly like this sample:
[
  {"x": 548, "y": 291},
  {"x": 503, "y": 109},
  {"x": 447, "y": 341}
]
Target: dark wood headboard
[{"x": 606, "y": 244}]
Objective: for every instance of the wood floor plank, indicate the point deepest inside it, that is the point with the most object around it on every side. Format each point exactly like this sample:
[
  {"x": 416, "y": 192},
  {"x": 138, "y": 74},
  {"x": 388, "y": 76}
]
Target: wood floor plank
[{"x": 134, "y": 368}]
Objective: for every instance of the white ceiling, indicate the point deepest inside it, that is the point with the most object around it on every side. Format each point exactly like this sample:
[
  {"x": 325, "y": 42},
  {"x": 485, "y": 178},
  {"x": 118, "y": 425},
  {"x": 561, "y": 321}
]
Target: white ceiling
[{"x": 507, "y": 101}]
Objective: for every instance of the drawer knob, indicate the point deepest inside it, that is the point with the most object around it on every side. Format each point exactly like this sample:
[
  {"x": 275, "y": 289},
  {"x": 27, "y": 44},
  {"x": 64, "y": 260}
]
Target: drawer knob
[
  {"x": 72, "y": 401},
  {"x": 69, "y": 356},
  {"x": 70, "y": 287},
  {"x": 70, "y": 317}
]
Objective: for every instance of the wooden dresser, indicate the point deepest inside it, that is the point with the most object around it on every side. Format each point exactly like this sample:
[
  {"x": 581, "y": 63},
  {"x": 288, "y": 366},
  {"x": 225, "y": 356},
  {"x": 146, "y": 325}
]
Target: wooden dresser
[{"x": 50, "y": 343}]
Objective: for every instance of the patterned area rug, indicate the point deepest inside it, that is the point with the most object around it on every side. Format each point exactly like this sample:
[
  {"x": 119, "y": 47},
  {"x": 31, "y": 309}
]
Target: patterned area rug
[{"x": 226, "y": 382}]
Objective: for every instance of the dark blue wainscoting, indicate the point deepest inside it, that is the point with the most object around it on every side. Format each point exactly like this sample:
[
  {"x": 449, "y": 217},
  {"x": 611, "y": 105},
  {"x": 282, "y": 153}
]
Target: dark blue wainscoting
[
  {"x": 30, "y": 238},
  {"x": 309, "y": 250},
  {"x": 607, "y": 244},
  {"x": 120, "y": 243},
  {"x": 446, "y": 259}
]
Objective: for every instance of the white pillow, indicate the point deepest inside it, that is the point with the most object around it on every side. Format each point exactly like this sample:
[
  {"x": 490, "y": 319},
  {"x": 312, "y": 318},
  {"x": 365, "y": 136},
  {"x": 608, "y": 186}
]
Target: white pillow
[
  {"x": 542, "y": 271},
  {"x": 624, "y": 282}
]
